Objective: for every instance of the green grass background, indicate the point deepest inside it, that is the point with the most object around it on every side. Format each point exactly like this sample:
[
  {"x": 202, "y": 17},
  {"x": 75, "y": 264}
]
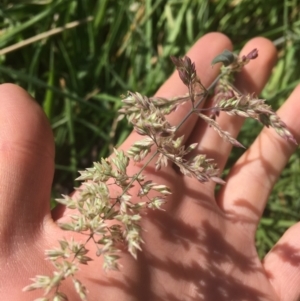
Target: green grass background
[{"x": 78, "y": 73}]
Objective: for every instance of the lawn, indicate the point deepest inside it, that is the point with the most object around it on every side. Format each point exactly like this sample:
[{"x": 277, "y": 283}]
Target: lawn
[{"x": 77, "y": 57}]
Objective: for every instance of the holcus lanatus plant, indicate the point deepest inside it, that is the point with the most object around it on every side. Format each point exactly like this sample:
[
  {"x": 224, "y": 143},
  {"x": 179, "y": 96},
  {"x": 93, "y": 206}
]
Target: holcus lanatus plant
[{"x": 112, "y": 220}]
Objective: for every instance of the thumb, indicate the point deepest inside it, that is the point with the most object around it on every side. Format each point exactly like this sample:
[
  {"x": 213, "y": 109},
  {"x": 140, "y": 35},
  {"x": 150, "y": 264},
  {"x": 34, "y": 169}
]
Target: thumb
[
  {"x": 26, "y": 167},
  {"x": 282, "y": 265}
]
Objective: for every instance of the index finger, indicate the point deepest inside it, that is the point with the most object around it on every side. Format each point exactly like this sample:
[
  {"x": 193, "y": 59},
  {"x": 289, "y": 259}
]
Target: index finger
[{"x": 202, "y": 54}]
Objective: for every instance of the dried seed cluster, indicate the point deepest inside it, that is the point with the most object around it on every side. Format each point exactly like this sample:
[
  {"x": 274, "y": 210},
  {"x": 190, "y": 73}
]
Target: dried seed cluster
[{"x": 106, "y": 210}]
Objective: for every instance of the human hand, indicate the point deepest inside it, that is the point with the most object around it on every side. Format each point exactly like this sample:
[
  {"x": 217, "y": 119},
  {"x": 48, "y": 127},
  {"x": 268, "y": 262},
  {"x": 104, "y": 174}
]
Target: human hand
[{"x": 201, "y": 247}]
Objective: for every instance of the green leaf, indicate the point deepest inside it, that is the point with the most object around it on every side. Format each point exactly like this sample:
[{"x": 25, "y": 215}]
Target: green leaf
[{"x": 226, "y": 57}]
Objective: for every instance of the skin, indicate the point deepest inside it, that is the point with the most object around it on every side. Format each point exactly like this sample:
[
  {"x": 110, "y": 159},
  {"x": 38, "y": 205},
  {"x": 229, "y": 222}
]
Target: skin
[{"x": 201, "y": 248}]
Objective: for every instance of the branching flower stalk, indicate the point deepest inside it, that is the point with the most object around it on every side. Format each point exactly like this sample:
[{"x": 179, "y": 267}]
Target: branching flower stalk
[{"x": 105, "y": 207}]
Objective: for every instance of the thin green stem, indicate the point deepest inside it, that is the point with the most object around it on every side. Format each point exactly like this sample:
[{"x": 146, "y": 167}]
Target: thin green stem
[
  {"x": 211, "y": 86},
  {"x": 140, "y": 171}
]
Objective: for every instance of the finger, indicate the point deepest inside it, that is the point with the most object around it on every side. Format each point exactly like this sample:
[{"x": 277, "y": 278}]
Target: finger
[
  {"x": 282, "y": 265},
  {"x": 253, "y": 176},
  {"x": 251, "y": 79},
  {"x": 216, "y": 42},
  {"x": 26, "y": 166}
]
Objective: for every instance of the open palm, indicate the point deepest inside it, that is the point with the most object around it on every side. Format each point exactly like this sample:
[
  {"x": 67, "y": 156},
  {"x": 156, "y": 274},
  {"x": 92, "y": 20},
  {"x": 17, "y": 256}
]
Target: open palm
[{"x": 201, "y": 247}]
